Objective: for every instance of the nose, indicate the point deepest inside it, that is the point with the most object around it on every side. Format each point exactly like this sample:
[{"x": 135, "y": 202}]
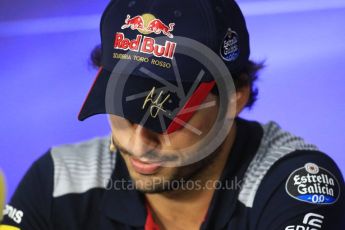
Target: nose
[{"x": 143, "y": 141}]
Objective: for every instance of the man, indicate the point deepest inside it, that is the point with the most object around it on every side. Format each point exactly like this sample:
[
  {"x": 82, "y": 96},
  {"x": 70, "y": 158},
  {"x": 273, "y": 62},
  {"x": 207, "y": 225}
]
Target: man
[{"x": 179, "y": 157}]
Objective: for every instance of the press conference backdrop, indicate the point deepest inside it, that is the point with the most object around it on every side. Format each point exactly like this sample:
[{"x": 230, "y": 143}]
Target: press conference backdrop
[{"x": 45, "y": 74}]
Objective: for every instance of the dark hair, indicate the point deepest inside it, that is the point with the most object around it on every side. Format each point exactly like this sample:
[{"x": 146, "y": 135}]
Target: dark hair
[
  {"x": 245, "y": 78},
  {"x": 96, "y": 56}
]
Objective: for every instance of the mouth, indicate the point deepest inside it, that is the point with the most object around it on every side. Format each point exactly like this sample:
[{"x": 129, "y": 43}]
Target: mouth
[{"x": 145, "y": 167}]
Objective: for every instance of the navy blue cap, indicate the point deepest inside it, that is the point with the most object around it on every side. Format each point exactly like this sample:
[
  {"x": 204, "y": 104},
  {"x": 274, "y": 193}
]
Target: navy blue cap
[{"x": 138, "y": 27}]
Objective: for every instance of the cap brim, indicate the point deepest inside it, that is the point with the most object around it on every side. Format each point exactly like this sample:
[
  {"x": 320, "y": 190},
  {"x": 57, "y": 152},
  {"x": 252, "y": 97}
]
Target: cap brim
[
  {"x": 95, "y": 100},
  {"x": 132, "y": 110}
]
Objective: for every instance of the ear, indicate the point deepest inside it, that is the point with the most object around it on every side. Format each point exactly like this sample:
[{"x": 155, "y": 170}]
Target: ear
[{"x": 242, "y": 97}]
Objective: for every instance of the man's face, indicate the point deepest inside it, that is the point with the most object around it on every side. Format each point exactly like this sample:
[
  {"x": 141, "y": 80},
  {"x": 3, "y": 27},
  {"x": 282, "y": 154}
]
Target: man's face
[{"x": 147, "y": 153}]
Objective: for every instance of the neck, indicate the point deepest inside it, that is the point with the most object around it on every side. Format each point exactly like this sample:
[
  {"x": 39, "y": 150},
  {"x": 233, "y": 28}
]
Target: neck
[{"x": 188, "y": 208}]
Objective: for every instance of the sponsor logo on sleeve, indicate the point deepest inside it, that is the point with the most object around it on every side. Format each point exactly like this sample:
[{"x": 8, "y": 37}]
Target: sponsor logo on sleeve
[
  {"x": 311, "y": 221},
  {"x": 313, "y": 184},
  {"x": 14, "y": 214}
]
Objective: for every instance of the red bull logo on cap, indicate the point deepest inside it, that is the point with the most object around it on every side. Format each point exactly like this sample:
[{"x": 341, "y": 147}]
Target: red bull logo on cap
[
  {"x": 157, "y": 26},
  {"x": 134, "y": 23},
  {"x": 146, "y": 24},
  {"x": 146, "y": 45}
]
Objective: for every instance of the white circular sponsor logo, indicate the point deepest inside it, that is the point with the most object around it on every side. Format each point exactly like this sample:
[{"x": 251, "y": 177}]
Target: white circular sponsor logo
[{"x": 313, "y": 184}]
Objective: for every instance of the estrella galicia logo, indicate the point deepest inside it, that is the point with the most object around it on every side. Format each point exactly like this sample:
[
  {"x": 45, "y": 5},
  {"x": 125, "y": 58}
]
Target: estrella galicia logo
[
  {"x": 229, "y": 49},
  {"x": 313, "y": 184}
]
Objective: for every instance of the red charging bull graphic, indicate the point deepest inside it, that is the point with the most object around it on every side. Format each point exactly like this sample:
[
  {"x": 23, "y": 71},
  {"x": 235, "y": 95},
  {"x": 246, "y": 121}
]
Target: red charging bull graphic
[
  {"x": 134, "y": 23},
  {"x": 157, "y": 26},
  {"x": 153, "y": 26}
]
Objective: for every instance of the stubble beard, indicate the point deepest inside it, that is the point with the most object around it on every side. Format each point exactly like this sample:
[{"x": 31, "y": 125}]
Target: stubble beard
[{"x": 173, "y": 179}]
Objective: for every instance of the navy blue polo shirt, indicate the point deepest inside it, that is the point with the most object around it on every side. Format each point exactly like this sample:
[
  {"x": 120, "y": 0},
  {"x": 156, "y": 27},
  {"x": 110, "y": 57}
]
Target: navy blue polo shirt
[{"x": 272, "y": 180}]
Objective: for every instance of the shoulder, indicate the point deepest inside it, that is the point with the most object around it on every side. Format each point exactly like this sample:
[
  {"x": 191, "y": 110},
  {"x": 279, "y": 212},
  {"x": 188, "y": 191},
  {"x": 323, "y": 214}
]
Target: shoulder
[
  {"x": 73, "y": 168},
  {"x": 276, "y": 144},
  {"x": 82, "y": 166},
  {"x": 302, "y": 177},
  {"x": 289, "y": 179},
  {"x": 280, "y": 154},
  {"x": 65, "y": 169}
]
